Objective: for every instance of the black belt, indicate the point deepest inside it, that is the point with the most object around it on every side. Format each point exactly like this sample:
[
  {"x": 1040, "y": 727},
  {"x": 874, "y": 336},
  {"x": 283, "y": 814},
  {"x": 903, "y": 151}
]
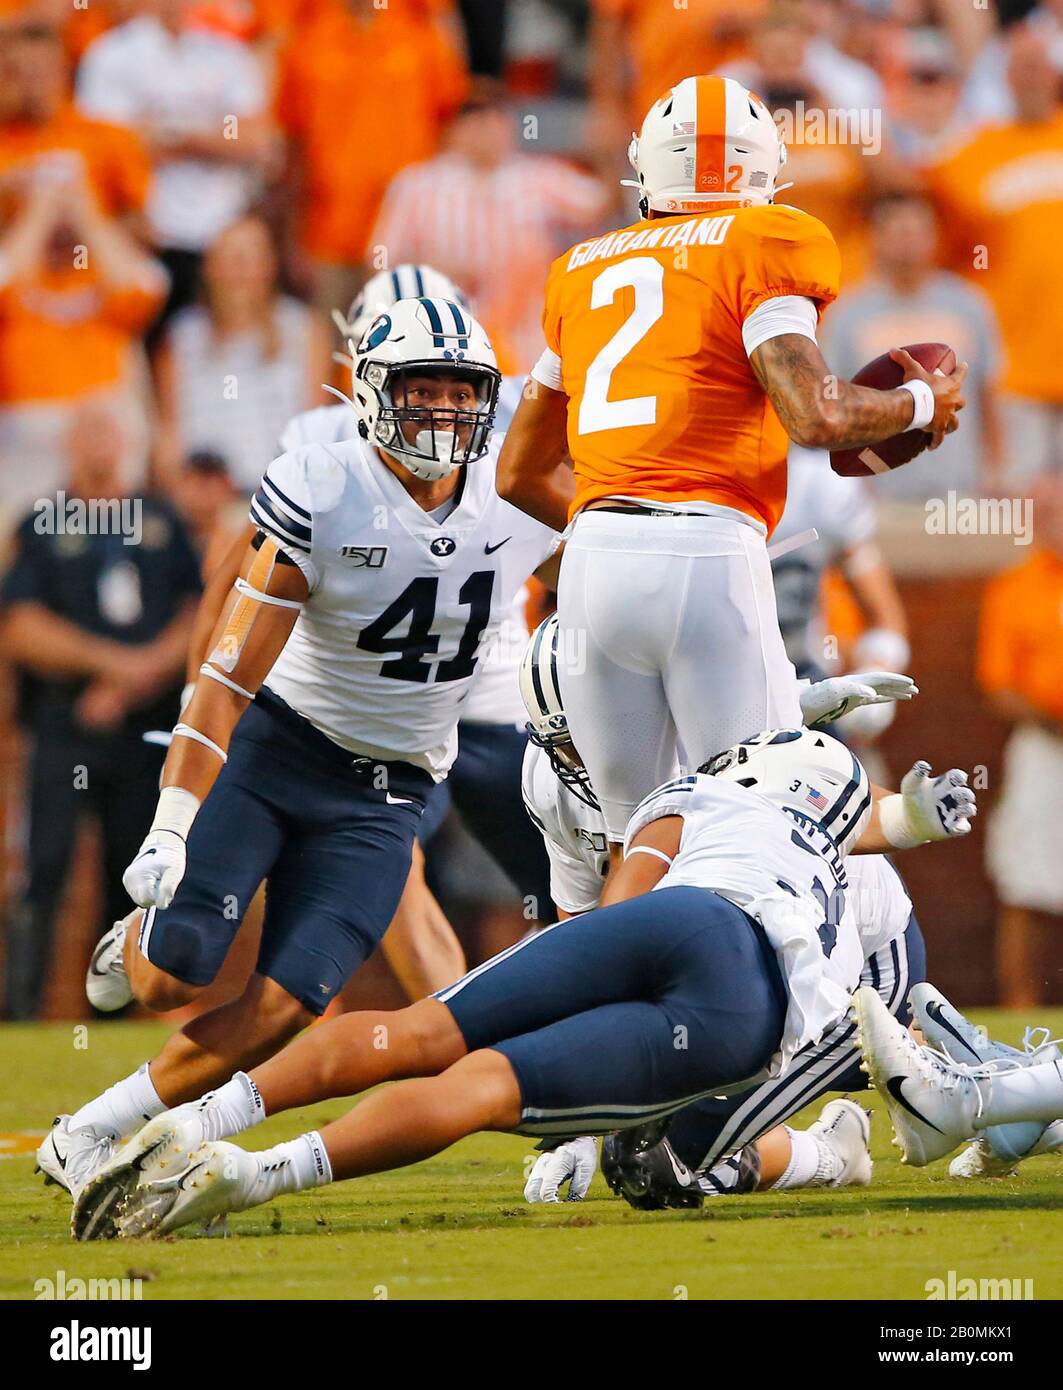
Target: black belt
[{"x": 636, "y": 510}]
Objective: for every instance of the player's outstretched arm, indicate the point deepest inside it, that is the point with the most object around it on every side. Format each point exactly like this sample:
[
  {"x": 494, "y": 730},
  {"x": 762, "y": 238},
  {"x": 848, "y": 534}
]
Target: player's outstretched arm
[
  {"x": 533, "y": 469},
  {"x": 820, "y": 411},
  {"x": 926, "y": 808},
  {"x": 246, "y": 643}
]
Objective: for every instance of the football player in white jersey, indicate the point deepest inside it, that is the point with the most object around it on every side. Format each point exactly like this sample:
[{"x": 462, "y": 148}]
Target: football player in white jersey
[
  {"x": 420, "y": 946},
  {"x": 740, "y": 952},
  {"x": 737, "y": 1144},
  {"x": 324, "y": 714}
]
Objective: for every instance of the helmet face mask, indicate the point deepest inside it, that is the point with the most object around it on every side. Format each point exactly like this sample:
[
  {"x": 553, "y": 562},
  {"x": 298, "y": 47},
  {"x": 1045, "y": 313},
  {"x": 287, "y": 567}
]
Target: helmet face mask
[
  {"x": 432, "y": 440},
  {"x": 547, "y": 725},
  {"x": 807, "y": 774},
  {"x": 565, "y": 762},
  {"x": 419, "y": 342}
]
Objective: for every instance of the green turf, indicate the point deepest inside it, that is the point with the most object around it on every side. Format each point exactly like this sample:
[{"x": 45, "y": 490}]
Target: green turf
[{"x": 457, "y": 1227}]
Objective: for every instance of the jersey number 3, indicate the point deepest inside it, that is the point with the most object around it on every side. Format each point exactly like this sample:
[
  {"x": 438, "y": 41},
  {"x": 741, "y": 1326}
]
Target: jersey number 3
[
  {"x": 417, "y": 602},
  {"x": 596, "y": 412}
]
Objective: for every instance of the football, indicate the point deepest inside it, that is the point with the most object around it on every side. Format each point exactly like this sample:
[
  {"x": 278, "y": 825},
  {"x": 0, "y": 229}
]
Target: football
[{"x": 883, "y": 374}]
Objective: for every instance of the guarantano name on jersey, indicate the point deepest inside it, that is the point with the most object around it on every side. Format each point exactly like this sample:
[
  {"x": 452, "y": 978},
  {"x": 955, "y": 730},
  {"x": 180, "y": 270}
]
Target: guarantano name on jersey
[
  {"x": 784, "y": 871},
  {"x": 495, "y": 694},
  {"x": 401, "y": 605}
]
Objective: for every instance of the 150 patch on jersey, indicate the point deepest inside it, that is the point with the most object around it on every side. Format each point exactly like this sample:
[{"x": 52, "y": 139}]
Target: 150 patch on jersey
[{"x": 365, "y": 557}]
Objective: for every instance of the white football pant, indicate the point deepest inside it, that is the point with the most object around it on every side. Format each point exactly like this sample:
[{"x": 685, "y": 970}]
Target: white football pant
[{"x": 669, "y": 648}]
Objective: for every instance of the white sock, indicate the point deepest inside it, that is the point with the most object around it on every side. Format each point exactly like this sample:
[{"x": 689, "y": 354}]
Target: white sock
[
  {"x": 812, "y": 1162},
  {"x": 123, "y": 1108},
  {"x": 1028, "y": 1093},
  {"x": 232, "y": 1108},
  {"x": 292, "y": 1166}
]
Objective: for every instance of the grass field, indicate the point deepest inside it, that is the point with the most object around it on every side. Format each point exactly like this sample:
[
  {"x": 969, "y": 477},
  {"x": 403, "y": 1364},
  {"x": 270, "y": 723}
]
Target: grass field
[{"x": 458, "y": 1228}]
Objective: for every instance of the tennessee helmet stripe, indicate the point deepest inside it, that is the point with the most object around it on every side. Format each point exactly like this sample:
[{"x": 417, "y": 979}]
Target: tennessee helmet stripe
[{"x": 710, "y": 145}]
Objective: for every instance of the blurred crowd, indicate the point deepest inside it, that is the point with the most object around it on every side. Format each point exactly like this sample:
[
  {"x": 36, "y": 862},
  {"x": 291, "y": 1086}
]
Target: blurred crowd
[{"x": 189, "y": 187}]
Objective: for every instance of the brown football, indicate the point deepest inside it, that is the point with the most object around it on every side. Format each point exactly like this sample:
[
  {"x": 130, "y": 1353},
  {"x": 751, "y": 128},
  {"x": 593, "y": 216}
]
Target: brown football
[{"x": 883, "y": 374}]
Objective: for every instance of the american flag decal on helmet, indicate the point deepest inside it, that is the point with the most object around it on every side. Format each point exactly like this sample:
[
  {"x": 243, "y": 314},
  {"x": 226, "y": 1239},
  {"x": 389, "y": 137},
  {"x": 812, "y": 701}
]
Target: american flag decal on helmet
[{"x": 817, "y": 799}]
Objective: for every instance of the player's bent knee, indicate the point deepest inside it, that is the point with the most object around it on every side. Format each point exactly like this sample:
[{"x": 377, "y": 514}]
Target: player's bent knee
[
  {"x": 278, "y": 1014},
  {"x": 434, "y": 1038},
  {"x": 489, "y": 1088}
]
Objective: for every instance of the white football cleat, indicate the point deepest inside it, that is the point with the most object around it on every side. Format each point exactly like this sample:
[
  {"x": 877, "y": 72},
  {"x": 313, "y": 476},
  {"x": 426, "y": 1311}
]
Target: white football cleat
[
  {"x": 106, "y": 983},
  {"x": 946, "y": 1029},
  {"x": 162, "y": 1149},
  {"x": 932, "y": 1102},
  {"x": 69, "y": 1157},
  {"x": 845, "y": 1128},
  {"x": 220, "y": 1178}
]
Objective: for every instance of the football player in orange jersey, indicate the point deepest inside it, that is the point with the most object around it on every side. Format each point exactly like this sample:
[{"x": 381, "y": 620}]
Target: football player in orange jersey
[{"x": 681, "y": 357}]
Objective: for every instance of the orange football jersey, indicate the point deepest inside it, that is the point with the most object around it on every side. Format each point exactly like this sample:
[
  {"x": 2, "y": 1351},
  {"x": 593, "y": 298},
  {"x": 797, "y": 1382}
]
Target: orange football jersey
[{"x": 647, "y": 322}]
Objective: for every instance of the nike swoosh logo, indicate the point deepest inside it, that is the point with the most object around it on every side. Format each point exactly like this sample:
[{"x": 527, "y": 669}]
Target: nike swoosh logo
[
  {"x": 682, "y": 1173},
  {"x": 398, "y": 800},
  {"x": 95, "y": 958},
  {"x": 934, "y": 1010},
  {"x": 147, "y": 852},
  {"x": 490, "y": 549},
  {"x": 895, "y": 1087}
]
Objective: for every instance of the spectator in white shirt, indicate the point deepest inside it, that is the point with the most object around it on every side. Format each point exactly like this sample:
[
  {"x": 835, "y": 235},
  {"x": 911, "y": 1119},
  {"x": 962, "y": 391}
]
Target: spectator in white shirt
[
  {"x": 232, "y": 371},
  {"x": 198, "y": 100}
]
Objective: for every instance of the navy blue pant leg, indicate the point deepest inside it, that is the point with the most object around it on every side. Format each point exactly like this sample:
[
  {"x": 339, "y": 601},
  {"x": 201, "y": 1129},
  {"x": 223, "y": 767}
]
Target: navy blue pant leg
[{"x": 628, "y": 1012}]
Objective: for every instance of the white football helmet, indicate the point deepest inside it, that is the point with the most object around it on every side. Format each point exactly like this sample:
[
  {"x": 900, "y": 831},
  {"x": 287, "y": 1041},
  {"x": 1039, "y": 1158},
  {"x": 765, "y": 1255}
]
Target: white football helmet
[
  {"x": 384, "y": 288},
  {"x": 706, "y": 141},
  {"x": 547, "y": 725},
  {"x": 424, "y": 337},
  {"x": 808, "y": 773}
]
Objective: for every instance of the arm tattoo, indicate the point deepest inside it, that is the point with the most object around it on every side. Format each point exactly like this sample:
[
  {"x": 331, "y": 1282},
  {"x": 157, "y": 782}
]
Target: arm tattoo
[{"x": 818, "y": 409}]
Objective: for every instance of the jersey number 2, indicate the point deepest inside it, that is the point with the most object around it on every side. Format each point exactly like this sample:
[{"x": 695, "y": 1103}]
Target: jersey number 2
[
  {"x": 418, "y": 603},
  {"x": 596, "y": 412}
]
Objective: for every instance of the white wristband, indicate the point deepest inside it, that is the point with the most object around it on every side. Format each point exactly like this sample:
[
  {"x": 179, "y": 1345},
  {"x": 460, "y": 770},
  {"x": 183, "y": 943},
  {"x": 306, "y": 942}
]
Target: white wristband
[
  {"x": 175, "y": 812},
  {"x": 923, "y": 404},
  {"x": 896, "y": 826}
]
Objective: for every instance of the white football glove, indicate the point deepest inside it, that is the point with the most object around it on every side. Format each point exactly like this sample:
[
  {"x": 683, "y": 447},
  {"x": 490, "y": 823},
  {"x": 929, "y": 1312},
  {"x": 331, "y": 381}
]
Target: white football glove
[
  {"x": 928, "y": 808},
  {"x": 154, "y": 875},
  {"x": 575, "y": 1159},
  {"x": 827, "y": 700}
]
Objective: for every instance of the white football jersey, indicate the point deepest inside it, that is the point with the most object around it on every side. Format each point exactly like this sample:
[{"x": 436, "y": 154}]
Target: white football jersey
[
  {"x": 495, "y": 694},
  {"x": 573, "y": 832},
  {"x": 780, "y": 869},
  {"x": 386, "y": 648}
]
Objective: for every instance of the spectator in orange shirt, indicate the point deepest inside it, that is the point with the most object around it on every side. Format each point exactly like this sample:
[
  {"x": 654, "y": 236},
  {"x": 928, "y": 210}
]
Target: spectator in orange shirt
[
  {"x": 40, "y": 129},
  {"x": 75, "y": 292},
  {"x": 1020, "y": 667},
  {"x": 1001, "y": 196},
  {"x": 362, "y": 91}
]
